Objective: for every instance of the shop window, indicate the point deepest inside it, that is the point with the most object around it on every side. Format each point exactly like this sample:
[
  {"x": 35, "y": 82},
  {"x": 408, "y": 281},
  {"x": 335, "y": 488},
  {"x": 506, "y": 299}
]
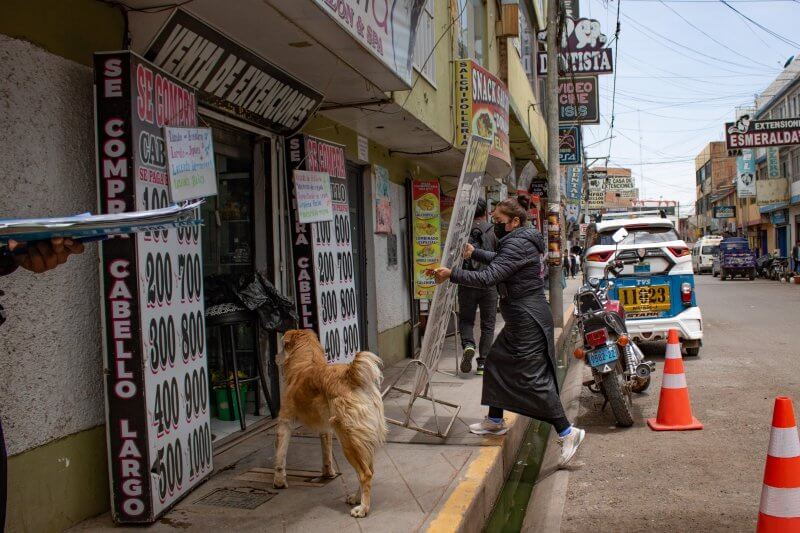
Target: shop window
[
  {"x": 795, "y": 159},
  {"x": 424, "y": 58},
  {"x": 472, "y": 30}
]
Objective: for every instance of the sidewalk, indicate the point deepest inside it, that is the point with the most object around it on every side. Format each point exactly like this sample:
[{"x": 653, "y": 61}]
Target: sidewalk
[{"x": 421, "y": 483}]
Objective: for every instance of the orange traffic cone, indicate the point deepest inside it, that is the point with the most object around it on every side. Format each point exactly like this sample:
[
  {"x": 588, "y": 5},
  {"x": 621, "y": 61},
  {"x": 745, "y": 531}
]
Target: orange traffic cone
[
  {"x": 674, "y": 408},
  {"x": 780, "y": 497}
]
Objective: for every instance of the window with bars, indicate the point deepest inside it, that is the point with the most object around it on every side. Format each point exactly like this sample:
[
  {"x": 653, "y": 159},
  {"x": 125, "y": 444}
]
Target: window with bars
[
  {"x": 795, "y": 159},
  {"x": 424, "y": 58}
]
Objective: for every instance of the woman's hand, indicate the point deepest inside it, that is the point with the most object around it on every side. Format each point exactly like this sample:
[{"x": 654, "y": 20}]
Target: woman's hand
[
  {"x": 440, "y": 274},
  {"x": 468, "y": 249}
]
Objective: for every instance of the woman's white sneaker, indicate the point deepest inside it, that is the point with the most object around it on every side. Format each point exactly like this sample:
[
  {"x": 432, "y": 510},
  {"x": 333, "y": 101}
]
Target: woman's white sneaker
[
  {"x": 488, "y": 427},
  {"x": 569, "y": 445}
]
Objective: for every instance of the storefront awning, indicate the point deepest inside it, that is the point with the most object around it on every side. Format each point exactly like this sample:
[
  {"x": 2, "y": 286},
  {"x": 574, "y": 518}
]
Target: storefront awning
[
  {"x": 326, "y": 59},
  {"x": 772, "y": 207}
]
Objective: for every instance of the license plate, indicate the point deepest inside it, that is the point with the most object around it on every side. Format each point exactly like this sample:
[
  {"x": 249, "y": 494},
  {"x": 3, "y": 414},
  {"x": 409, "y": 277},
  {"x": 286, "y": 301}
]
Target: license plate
[
  {"x": 645, "y": 299},
  {"x": 641, "y": 268},
  {"x": 602, "y": 356}
]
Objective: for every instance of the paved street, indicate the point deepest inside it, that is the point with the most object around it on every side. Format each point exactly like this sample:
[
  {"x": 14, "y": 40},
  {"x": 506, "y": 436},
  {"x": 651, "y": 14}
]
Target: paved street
[{"x": 710, "y": 480}]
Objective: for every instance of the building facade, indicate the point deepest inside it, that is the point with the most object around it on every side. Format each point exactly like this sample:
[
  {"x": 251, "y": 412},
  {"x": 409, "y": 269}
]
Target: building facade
[{"x": 366, "y": 109}]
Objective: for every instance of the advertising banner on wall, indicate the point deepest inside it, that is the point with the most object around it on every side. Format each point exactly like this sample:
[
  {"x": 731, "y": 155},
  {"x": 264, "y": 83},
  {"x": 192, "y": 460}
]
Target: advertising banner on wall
[
  {"x": 578, "y": 100},
  {"x": 231, "y": 78},
  {"x": 386, "y": 29},
  {"x": 748, "y": 133},
  {"x": 570, "y": 150},
  {"x": 383, "y": 202},
  {"x": 427, "y": 231},
  {"x": 156, "y": 376},
  {"x": 482, "y": 108},
  {"x": 724, "y": 211},
  {"x": 746, "y": 174},
  {"x": 772, "y": 188},
  {"x": 618, "y": 183},
  {"x": 582, "y": 49},
  {"x": 444, "y": 295},
  {"x": 322, "y": 252},
  {"x": 597, "y": 190},
  {"x": 574, "y": 182}
]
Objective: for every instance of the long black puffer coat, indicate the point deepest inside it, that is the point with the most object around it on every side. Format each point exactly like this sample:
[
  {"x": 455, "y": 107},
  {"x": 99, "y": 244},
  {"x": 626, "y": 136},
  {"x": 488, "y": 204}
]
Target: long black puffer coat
[{"x": 519, "y": 375}]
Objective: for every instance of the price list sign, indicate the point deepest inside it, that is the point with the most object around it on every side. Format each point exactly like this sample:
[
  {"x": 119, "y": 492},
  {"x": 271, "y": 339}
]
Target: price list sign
[
  {"x": 157, "y": 386},
  {"x": 324, "y": 265}
]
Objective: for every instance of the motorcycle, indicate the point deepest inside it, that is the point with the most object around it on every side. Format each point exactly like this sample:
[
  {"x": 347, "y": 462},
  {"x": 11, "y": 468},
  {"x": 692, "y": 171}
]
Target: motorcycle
[
  {"x": 618, "y": 365},
  {"x": 780, "y": 269},
  {"x": 764, "y": 265}
]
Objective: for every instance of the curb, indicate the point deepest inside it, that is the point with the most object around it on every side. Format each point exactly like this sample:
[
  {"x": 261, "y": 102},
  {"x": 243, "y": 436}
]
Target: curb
[{"x": 469, "y": 504}]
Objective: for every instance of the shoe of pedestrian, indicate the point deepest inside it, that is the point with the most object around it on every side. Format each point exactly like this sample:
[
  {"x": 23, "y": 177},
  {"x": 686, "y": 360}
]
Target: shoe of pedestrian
[
  {"x": 487, "y": 427},
  {"x": 466, "y": 358},
  {"x": 569, "y": 445},
  {"x": 479, "y": 370}
]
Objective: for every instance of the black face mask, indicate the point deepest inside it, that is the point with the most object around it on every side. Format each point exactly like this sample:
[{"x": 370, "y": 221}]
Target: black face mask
[{"x": 500, "y": 229}]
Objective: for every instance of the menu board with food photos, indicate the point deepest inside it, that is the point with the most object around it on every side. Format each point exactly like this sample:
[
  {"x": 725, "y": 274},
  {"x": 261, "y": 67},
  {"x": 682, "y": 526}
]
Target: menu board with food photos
[{"x": 427, "y": 236}]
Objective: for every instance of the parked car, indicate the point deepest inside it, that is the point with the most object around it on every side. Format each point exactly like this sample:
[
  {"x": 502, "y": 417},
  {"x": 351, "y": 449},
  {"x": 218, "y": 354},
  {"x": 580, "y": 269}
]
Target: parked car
[
  {"x": 704, "y": 252},
  {"x": 735, "y": 259},
  {"x": 656, "y": 285}
]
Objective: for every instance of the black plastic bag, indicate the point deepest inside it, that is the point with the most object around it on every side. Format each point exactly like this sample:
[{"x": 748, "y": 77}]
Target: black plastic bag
[
  {"x": 275, "y": 311},
  {"x": 252, "y": 291}
]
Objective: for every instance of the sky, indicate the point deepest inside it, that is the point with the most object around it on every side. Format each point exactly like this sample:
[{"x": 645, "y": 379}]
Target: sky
[{"x": 677, "y": 84}]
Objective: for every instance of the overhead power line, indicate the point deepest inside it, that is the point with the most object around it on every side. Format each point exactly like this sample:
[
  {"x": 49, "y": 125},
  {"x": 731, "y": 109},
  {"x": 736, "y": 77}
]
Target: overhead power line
[
  {"x": 761, "y": 26},
  {"x": 725, "y": 46},
  {"x": 638, "y": 26}
]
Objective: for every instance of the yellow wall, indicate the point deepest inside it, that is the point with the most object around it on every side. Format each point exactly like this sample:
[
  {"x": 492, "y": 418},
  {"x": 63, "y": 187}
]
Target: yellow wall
[
  {"x": 432, "y": 104},
  {"x": 73, "y": 29},
  {"x": 522, "y": 96}
]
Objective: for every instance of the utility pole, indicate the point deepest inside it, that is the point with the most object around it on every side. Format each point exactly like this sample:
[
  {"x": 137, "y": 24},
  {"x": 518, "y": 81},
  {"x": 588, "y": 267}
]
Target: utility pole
[{"x": 553, "y": 177}]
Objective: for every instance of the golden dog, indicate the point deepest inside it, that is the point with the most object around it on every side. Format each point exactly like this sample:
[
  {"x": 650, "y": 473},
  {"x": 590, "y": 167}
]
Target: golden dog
[{"x": 328, "y": 398}]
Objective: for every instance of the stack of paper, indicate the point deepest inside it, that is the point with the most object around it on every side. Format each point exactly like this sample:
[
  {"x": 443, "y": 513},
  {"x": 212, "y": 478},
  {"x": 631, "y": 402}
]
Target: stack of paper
[{"x": 92, "y": 227}]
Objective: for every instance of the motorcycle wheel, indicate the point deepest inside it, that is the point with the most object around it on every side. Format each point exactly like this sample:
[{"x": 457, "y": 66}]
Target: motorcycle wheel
[{"x": 612, "y": 389}]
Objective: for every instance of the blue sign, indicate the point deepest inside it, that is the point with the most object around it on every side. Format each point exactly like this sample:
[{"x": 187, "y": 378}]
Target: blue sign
[
  {"x": 778, "y": 217},
  {"x": 574, "y": 182}
]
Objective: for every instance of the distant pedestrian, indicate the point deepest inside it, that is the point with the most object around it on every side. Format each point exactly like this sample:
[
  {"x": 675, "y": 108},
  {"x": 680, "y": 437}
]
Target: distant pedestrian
[
  {"x": 576, "y": 265},
  {"x": 470, "y": 299},
  {"x": 796, "y": 257},
  {"x": 520, "y": 370}
]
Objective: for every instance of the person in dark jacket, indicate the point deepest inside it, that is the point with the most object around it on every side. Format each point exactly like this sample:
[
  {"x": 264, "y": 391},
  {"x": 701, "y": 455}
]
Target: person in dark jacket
[
  {"x": 470, "y": 299},
  {"x": 519, "y": 375},
  {"x": 38, "y": 257}
]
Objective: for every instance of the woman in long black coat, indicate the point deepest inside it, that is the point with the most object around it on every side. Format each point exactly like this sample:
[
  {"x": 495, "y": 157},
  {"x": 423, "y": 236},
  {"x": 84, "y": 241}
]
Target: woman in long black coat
[{"x": 519, "y": 375}]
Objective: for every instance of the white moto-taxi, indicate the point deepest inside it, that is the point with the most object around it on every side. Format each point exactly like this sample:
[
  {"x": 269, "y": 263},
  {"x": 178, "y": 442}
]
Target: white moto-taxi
[{"x": 656, "y": 285}]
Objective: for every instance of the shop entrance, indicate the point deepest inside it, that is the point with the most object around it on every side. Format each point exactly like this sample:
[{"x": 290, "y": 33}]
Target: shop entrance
[
  {"x": 355, "y": 188},
  {"x": 232, "y": 220},
  {"x": 781, "y": 236}
]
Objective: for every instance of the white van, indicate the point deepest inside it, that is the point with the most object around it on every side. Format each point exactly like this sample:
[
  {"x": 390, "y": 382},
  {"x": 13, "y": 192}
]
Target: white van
[{"x": 703, "y": 253}]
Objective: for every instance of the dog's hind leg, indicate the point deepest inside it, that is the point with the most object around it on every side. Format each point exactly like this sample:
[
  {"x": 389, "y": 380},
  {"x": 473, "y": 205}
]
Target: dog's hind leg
[
  {"x": 281, "y": 446},
  {"x": 326, "y": 438},
  {"x": 363, "y": 467}
]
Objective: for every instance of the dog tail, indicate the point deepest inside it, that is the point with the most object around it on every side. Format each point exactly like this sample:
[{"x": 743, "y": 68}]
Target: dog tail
[{"x": 365, "y": 370}]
